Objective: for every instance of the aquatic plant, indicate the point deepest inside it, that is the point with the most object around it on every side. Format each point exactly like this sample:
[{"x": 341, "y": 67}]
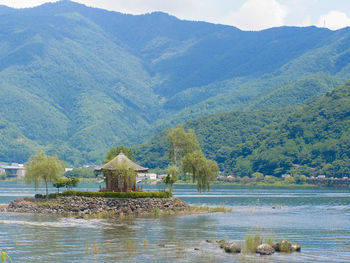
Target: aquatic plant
[
  {"x": 209, "y": 209},
  {"x": 252, "y": 242},
  {"x": 4, "y": 257},
  {"x": 156, "y": 211}
]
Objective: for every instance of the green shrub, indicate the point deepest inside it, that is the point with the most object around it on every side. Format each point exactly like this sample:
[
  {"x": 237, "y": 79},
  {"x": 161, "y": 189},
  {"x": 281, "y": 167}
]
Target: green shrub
[
  {"x": 163, "y": 194},
  {"x": 51, "y": 196}
]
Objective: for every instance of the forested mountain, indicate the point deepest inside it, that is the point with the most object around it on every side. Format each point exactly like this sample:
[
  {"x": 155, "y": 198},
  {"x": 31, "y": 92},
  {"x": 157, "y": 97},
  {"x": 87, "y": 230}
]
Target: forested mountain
[
  {"x": 216, "y": 133},
  {"x": 76, "y": 80},
  {"x": 313, "y": 139}
]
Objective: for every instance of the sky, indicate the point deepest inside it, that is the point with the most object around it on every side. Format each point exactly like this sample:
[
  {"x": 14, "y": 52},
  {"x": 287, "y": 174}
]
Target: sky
[{"x": 244, "y": 14}]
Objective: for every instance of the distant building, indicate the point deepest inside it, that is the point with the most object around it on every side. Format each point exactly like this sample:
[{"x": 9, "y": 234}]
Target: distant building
[
  {"x": 147, "y": 176},
  {"x": 15, "y": 170}
]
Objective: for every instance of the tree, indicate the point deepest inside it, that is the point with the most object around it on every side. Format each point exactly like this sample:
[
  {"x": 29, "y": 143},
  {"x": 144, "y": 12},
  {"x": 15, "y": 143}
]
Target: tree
[
  {"x": 59, "y": 183},
  {"x": 300, "y": 179},
  {"x": 172, "y": 175},
  {"x": 181, "y": 143},
  {"x": 200, "y": 169},
  {"x": 72, "y": 182},
  {"x": 43, "y": 169},
  {"x": 243, "y": 167},
  {"x": 258, "y": 176},
  {"x": 66, "y": 182},
  {"x": 113, "y": 152},
  {"x": 80, "y": 172}
]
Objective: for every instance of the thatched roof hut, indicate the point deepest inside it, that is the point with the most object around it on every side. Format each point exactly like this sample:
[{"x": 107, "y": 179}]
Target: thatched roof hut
[
  {"x": 120, "y": 159},
  {"x": 116, "y": 183}
]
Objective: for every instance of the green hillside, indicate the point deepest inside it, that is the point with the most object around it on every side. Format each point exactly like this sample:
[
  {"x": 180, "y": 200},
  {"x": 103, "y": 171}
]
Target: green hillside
[
  {"x": 217, "y": 134},
  {"x": 313, "y": 138},
  {"x": 316, "y": 136},
  {"x": 75, "y": 80}
]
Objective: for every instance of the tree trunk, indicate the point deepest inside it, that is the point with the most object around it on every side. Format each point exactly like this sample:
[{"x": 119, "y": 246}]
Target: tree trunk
[
  {"x": 47, "y": 191},
  {"x": 175, "y": 155}
]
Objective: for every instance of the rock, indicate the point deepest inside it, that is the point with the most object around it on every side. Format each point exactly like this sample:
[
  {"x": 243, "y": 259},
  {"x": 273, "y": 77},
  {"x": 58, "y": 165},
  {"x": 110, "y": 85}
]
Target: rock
[
  {"x": 282, "y": 246},
  {"x": 296, "y": 248},
  {"x": 209, "y": 241},
  {"x": 232, "y": 248},
  {"x": 222, "y": 243},
  {"x": 265, "y": 249},
  {"x": 276, "y": 246},
  {"x": 88, "y": 205}
]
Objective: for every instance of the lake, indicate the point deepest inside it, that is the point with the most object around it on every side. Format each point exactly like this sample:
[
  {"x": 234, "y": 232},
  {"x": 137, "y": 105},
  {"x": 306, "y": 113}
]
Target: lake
[{"x": 317, "y": 219}]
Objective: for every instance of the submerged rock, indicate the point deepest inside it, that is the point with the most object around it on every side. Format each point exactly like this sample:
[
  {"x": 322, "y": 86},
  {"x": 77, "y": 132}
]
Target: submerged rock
[
  {"x": 265, "y": 249},
  {"x": 282, "y": 246},
  {"x": 286, "y": 247},
  {"x": 296, "y": 248},
  {"x": 222, "y": 243},
  {"x": 232, "y": 248}
]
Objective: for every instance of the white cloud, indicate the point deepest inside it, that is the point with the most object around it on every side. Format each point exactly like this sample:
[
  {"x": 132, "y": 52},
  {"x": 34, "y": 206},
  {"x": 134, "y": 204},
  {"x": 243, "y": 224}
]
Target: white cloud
[
  {"x": 334, "y": 20},
  {"x": 257, "y": 15},
  {"x": 205, "y": 10},
  {"x": 22, "y": 4}
]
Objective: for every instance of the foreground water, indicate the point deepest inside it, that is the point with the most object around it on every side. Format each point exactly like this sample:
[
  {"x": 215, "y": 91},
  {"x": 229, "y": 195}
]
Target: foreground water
[{"x": 318, "y": 220}]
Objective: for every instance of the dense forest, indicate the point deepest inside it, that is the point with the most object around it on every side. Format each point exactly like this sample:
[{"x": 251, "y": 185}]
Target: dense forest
[
  {"x": 75, "y": 80},
  {"x": 312, "y": 139}
]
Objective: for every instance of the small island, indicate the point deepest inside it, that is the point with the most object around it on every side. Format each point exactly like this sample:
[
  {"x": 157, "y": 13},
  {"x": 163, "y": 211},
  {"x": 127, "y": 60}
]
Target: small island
[{"x": 120, "y": 197}]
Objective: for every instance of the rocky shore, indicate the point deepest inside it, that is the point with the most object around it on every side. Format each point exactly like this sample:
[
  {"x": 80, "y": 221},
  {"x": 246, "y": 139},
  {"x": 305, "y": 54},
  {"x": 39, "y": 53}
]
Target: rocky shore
[{"x": 78, "y": 205}]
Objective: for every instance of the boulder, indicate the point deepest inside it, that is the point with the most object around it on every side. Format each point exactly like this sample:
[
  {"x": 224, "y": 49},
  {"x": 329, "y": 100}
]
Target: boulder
[
  {"x": 222, "y": 243},
  {"x": 286, "y": 247},
  {"x": 232, "y": 248},
  {"x": 296, "y": 248},
  {"x": 265, "y": 249}
]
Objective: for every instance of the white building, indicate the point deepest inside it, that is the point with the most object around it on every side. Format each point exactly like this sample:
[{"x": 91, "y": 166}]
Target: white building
[
  {"x": 15, "y": 170},
  {"x": 146, "y": 176}
]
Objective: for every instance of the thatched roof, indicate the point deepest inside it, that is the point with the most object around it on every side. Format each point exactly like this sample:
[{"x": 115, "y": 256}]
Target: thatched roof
[{"x": 120, "y": 159}]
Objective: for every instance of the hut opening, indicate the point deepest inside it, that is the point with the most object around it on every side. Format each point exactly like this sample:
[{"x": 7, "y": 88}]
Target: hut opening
[{"x": 120, "y": 174}]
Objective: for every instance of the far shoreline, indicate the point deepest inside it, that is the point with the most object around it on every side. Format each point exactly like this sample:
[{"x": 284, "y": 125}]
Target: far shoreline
[{"x": 235, "y": 185}]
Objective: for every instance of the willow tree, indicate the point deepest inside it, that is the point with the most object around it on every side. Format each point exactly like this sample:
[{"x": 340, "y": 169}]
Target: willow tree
[
  {"x": 41, "y": 168},
  {"x": 181, "y": 143},
  {"x": 172, "y": 175},
  {"x": 113, "y": 152},
  {"x": 200, "y": 169}
]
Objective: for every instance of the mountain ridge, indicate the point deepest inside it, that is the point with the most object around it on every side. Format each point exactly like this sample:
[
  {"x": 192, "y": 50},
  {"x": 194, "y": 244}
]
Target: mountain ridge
[{"x": 87, "y": 79}]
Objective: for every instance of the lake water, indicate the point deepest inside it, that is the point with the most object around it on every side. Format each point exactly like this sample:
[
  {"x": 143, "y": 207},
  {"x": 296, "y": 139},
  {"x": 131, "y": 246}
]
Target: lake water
[{"x": 318, "y": 220}]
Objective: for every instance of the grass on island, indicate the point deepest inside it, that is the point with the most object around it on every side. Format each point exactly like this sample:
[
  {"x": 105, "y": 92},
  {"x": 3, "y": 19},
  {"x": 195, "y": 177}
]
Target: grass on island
[
  {"x": 156, "y": 212},
  {"x": 51, "y": 203},
  {"x": 209, "y": 209}
]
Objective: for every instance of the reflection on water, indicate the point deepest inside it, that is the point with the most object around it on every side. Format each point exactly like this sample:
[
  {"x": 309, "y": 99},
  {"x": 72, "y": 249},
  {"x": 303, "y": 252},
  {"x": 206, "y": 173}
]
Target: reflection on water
[{"x": 319, "y": 220}]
